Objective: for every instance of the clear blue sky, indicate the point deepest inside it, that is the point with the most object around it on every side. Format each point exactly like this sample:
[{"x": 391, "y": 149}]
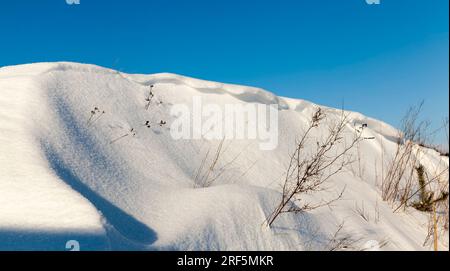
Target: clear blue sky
[{"x": 378, "y": 59}]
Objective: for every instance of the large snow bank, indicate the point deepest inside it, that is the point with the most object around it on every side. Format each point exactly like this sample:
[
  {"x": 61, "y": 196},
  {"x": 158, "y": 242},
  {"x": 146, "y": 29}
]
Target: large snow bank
[{"x": 62, "y": 179}]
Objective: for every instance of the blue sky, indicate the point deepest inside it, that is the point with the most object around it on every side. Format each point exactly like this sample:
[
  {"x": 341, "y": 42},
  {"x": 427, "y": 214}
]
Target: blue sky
[{"x": 375, "y": 59}]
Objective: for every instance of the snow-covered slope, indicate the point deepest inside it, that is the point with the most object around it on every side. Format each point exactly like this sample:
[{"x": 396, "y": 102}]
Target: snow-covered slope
[{"x": 61, "y": 178}]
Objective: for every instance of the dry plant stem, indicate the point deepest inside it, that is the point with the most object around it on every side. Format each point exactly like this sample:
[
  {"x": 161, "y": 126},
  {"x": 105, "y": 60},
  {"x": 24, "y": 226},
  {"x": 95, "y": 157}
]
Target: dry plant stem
[
  {"x": 435, "y": 234},
  {"x": 96, "y": 119},
  {"x": 149, "y": 98},
  {"x": 362, "y": 212},
  {"x": 200, "y": 169},
  {"x": 207, "y": 182},
  {"x": 334, "y": 238},
  {"x": 90, "y": 119},
  {"x": 204, "y": 179},
  {"x": 225, "y": 167},
  {"x": 399, "y": 179},
  {"x": 119, "y": 138},
  {"x": 401, "y": 168},
  {"x": 306, "y": 175},
  {"x": 338, "y": 242},
  {"x": 377, "y": 212},
  {"x": 403, "y": 203}
]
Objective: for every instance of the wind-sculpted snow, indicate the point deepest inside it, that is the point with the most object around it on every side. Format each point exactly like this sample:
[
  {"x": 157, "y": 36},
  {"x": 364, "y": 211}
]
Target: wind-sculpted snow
[
  {"x": 82, "y": 159},
  {"x": 243, "y": 93}
]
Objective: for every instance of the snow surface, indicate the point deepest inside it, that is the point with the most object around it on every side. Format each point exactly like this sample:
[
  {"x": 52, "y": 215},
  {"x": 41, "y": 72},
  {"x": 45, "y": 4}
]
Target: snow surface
[{"x": 61, "y": 179}]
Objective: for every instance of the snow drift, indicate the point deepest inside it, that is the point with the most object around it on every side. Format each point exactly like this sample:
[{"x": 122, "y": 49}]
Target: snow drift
[{"x": 61, "y": 178}]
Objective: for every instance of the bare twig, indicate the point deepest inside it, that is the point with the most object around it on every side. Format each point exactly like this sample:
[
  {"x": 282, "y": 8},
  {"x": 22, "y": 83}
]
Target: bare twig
[{"x": 307, "y": 173}]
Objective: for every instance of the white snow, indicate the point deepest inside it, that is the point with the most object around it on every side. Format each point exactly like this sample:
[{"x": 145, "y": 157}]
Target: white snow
[{"x": 62, "y": 179}]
